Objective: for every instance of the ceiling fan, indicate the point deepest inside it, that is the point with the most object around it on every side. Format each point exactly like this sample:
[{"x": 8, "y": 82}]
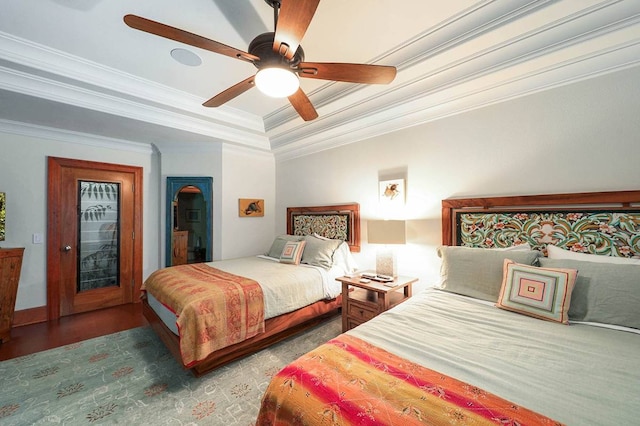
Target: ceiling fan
[{"x": 277, "y": 55}]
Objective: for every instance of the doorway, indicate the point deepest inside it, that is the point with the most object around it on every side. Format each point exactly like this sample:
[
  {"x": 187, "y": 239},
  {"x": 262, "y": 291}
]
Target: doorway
[
  {"x": 94, "y": 249},
  {"x": 188, "y": 219}
]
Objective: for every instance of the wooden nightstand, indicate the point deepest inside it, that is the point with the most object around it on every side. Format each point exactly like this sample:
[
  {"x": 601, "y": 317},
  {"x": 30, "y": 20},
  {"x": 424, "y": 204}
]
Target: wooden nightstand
[{"x": 363, "y": 301}]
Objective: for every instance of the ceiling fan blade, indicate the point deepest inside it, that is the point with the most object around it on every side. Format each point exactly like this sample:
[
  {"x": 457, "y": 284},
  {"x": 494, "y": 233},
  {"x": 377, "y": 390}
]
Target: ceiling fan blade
[
  {"x": 293, "y": 20},
  {"x": 172, "y": 33},
  {"x": 230, "y": 93},
  {"x": 351, "y": 73},
  {"x": 302, "y": 104}
]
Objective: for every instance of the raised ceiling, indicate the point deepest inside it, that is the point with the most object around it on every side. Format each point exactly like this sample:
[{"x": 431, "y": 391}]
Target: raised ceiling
[{"x": 74, "y": 66}]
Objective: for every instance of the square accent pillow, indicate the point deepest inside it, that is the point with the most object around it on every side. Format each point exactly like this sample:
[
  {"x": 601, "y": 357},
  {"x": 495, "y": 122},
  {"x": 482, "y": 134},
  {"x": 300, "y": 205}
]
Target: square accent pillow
[
  {"x": 543, "y": 293},
  {"x": 292, "y": 252},
  {"x": 278, "y": 244}
]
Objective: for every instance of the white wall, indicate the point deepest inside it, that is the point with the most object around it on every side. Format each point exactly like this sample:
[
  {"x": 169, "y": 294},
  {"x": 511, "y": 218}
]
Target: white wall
[
  {"x": 581, "y": 137},
  {"x": 199, "y": 160},
  {"x": 237, "y": 173},
  {"x": 247, "y": 174},
  {"x": 23, "y": 176}
]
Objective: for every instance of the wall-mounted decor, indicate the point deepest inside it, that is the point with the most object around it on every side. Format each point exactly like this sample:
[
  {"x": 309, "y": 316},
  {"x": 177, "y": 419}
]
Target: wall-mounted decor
[
  {"x": 392, "y": 191},
  {"x": 2, "y": 215},
  {"x": 251, "y": 207},
  {"x": 193, "y": 215}
]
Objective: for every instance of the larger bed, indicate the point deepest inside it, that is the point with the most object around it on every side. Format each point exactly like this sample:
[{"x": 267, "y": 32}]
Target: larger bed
[
  {"x": 212, "y": 313},
  {"x": 449, "y": 355}
]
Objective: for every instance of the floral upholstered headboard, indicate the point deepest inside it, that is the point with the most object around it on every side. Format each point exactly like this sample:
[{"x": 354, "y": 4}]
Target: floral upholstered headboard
[
  {"x": 338, "y": 222},
  {"x": 603, "y": 223}
]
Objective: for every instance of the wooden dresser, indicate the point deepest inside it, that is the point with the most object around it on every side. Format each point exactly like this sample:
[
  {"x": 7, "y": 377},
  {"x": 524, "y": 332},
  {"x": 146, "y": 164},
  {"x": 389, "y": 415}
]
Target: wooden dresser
[
  {"x": 10, "y": 265},
  {"x": 179, "y": 246}
]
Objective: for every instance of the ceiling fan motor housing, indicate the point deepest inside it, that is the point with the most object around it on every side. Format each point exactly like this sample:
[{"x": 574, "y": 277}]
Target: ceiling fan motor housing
[{"x": 262, "y": 47}]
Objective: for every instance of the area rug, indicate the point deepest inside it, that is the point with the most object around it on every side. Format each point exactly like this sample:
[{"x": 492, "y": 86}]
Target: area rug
[{"x": 131, "y": 378}]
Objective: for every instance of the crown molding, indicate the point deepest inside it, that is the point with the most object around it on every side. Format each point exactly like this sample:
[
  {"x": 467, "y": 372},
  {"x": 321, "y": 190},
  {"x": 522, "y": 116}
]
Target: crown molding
[
  {"x": 470, "y": 23},
  {"x": 442, "y": 104},
  {"x": 68, "y": 136},
  {"x": 594, "y": 40},
  {"x": 36, "y": 70}
]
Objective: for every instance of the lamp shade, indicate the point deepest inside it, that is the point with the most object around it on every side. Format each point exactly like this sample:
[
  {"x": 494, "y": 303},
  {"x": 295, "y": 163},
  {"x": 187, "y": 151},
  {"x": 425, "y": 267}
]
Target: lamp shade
[
  {"x": 386, "y": 232},
  {"x": 277, "y": 82}
]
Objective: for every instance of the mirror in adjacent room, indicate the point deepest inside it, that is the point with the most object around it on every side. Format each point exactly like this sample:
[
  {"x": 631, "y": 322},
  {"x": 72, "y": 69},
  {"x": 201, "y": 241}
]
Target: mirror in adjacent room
[{"x": 189, "y": 219}]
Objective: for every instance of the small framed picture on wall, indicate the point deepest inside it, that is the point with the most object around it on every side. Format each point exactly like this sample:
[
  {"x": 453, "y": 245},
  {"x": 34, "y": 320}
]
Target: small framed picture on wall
[
  {"x": 392, "y": 191},
  {"x": 251, "y": 207},
  {"x": 193, "y": 215}
]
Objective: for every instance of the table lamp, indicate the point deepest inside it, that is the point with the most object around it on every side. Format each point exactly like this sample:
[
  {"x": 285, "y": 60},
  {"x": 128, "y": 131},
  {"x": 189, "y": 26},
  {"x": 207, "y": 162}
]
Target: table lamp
[{"x": 387, "y": 232}]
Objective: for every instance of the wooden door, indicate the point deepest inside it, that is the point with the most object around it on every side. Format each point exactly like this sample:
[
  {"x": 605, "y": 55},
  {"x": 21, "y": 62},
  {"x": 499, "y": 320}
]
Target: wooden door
[{"x": 93, "y": 255}]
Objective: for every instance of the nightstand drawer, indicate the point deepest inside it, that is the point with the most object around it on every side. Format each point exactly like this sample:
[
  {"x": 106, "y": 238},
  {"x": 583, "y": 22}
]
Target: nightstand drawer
[
  {"x": 360, "y": 311},
  {"x": 351, "y": 323}
]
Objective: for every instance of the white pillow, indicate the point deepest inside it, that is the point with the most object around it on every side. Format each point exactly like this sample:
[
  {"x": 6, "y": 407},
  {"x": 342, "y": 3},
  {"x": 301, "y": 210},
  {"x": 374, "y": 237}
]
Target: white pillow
[
  {"x": 555, "y": 252},
  {"x": 343, "y": 258}
]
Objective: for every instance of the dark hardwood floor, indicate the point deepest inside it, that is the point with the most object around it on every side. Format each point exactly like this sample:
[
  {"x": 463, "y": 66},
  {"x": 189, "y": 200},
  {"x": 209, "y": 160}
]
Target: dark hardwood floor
[{"x": 70, "y": 329}]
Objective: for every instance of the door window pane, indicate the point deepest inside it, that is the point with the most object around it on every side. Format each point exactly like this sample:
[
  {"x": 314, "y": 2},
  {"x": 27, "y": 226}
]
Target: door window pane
[{"x": 99, "y": 235}]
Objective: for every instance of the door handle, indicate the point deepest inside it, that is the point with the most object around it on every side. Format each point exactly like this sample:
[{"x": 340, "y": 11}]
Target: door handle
[{"x": 67, "y": 248}]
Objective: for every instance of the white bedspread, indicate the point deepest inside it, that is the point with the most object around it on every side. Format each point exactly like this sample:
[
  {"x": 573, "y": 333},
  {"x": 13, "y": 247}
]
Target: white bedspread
[{"x": 577, "y": 374}]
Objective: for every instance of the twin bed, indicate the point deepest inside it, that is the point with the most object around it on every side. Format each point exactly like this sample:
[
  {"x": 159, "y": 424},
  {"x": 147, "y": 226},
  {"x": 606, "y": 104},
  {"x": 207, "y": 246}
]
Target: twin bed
[
  {"x": 536, "y": 320},
  {"x": 450, "y": 356},
  {"x": 213, "y": 313}
]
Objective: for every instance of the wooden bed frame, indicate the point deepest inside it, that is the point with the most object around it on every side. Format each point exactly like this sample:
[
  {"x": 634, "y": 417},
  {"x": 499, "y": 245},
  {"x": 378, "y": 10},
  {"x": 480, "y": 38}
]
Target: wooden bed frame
[
  {"x": 277, "y": 328},
  {"x": 601, "y": 206}
]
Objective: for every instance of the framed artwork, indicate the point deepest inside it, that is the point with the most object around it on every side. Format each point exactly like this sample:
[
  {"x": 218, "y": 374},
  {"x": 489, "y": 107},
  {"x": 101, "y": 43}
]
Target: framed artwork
[
  {"x": 2, "y": 215},
  {"x": 391, "y": 191},
  {"x": 251, "y": 207},
  {"x": 193, "y": 215}
]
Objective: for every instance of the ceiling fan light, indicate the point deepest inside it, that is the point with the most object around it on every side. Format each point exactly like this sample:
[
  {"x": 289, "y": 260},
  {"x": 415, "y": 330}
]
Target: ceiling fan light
[{"x": 277, "y": 82}]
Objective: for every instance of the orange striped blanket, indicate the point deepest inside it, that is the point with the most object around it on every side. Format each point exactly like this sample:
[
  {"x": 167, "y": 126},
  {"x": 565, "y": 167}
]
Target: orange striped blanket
[
  {"x": 350, "y": 382},
  {"x": 214, "y": 308}
]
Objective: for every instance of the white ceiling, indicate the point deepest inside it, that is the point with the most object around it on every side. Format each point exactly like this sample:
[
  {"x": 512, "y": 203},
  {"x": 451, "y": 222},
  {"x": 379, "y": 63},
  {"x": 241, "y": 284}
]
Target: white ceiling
[{"x": 74, "y": 65}]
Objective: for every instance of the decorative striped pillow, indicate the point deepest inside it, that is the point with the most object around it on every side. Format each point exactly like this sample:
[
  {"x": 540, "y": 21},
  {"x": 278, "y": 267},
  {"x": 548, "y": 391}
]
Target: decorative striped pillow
[
  {"x": 292, "y": 252},
  {"x": 543, "y": 293}
]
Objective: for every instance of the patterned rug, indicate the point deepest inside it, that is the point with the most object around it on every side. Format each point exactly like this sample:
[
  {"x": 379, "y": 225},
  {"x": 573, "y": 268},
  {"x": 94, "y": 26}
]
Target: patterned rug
[{"x": 131, "y": 378}]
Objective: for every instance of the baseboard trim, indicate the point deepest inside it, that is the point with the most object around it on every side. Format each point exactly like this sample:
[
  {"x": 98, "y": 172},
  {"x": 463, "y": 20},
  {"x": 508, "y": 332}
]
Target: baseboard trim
[{"x": 30, "y": 316}]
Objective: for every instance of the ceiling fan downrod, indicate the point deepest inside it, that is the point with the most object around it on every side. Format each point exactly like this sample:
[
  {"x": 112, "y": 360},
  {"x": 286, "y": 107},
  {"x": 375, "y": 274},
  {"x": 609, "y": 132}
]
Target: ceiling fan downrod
[{"x": 275, "y": 4}]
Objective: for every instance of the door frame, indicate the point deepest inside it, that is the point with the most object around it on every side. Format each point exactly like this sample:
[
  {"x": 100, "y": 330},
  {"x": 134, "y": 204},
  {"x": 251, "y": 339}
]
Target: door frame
[
  {"x": 54, "y": 241},
  {"x": 174, "y": 185}
]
